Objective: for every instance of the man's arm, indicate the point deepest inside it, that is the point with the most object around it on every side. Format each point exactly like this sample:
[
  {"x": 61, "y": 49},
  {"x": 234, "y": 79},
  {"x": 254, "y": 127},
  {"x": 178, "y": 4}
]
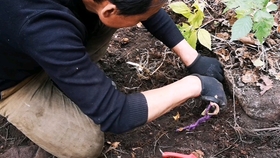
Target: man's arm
[
  {"x": 185, "y": 52},
  {"x": 164, "y": 99},
  {"x": 163, "y": 28}
]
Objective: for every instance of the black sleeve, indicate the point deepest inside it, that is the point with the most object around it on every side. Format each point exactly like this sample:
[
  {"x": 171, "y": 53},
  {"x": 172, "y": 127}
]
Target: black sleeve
[
  {"x": 164, "y": 29},
  {"x": 54, "y": 39}
]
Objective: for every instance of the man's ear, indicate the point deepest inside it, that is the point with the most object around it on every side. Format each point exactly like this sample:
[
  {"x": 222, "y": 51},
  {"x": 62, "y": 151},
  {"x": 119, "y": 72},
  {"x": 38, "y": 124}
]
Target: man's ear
[{"x": 109, "y": 10}]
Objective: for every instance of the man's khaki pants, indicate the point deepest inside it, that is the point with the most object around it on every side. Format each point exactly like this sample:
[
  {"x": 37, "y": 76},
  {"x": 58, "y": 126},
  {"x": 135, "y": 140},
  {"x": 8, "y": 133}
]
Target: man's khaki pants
[{"x": 50, "y": 119}]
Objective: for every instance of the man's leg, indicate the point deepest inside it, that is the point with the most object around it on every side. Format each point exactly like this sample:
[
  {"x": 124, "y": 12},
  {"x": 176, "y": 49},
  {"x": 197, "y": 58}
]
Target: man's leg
[{"x": 51, "y": 120}]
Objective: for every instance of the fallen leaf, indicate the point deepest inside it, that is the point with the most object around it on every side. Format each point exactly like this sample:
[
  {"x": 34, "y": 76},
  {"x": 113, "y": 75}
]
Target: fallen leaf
[
  {"x": 198, "y": 154},
  {"x": 113, "y": 146},
  {"x": 136, "y": 148},
  {"x": 244, "y": 152},
  {"x": 139, "y": 25},
  {"x": 223, "y": 35},
  {"x": 249, "y": 40},
  {"x": 177, "y": 117},
  {"x": 266, "y": 80},
  {"x": 258, "y": 62},
  {"x": 271, "y": 41},
  {"x": 277, "y": 76},
  {"x": 266, "y": 85},
  {"x": 133, "y": 155},
  {"x": 223, "y": 53},
  {"x": 247, "y": 55},
  {"x": 240, "y": 51},
  {"x": 124, "y": 41},
  {"x": 249, "y": 77}
]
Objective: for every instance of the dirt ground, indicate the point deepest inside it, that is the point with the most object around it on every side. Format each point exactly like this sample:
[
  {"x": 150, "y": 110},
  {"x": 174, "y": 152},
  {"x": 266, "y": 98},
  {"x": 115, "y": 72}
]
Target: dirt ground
[{"x": 223, "y": 136}]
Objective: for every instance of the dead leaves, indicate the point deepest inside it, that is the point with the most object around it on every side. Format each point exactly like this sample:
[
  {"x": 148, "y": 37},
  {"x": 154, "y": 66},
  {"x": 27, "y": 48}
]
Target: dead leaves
[
  {"x": 249, "y": 40},
  {"x": 263, "y": 82},
  {"x": 250, "y": 76},
  {"x": 177, "y": 117},
  {"x": 223, "y": 53},
  {"x": 265, "y": 85},
  {"x": 113, "y": 146}
]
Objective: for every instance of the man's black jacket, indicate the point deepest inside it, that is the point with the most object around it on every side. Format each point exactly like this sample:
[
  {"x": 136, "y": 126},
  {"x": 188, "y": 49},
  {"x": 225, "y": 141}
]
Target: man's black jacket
[{"x": 50, "y": 35}]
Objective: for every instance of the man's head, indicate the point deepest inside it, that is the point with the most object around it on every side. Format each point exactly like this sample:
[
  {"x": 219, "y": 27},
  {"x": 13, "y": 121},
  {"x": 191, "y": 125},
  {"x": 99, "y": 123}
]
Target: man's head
[{"x": 123, "y": 13}]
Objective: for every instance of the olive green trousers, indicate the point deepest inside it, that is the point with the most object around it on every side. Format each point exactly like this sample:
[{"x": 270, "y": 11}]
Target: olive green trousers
[{"x": 51, "y": 120}]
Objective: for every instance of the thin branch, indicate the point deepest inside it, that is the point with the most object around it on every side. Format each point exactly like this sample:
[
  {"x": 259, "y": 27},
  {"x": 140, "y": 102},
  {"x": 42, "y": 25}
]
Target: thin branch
[{"x": 225, "y": 149}]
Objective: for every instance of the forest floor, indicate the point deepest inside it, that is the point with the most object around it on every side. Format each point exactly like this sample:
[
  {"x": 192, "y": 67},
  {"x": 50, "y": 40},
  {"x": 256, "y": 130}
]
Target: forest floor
[{"x": 223, "y": 136}]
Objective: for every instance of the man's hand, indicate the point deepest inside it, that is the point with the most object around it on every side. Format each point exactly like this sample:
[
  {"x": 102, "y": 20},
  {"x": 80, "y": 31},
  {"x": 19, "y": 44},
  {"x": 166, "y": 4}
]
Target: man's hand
[
  {"x": 207, "y": 66},
  {"x": 212, "y": 90}
]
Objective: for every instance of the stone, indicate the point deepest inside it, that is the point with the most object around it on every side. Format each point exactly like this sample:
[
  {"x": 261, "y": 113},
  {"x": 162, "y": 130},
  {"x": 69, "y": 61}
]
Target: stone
[{"x": 264, "y": 107}]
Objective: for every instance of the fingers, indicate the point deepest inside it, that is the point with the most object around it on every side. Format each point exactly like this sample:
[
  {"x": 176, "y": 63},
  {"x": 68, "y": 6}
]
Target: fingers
[
  {"x": 207, "y": 66},
  {"x": 221, "y": 102},
  {"x": 212, "y": 90}
]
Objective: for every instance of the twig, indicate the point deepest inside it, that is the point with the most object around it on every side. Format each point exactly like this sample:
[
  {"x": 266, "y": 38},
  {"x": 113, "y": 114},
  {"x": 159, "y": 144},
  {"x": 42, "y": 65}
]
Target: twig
[
  {"x": 155, "y": 143},
  {"x": 265, "y": 129},
  {"x": 120, "y": 151},
  {"x": 225, "y": 149},
  {"x": 164, "y": 56},
  {"x": 5, "y": 125},
  {"x": 104, "y": 154},
  {"x": 273, "y": 47}
]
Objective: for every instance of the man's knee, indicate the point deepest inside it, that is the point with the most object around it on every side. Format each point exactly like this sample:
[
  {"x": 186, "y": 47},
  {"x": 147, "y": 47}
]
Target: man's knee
[
  {"x": 92, "y": 150},
  {"x": 52, "y": 121}
]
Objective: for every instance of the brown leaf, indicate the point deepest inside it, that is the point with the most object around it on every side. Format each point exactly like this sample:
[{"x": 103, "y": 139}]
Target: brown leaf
[
  {"x": 249, "y": 77},
  {"x": 198, "y": 154},
  {"x": 113, "y": 146},
  {"x": 249, "y": 40},
  {"x": 231, "y": 16},
  {"x": 258, "y": 62},
  {"x": 223, "y": 35},
  {"x": 223, "y": 53},
  {"x": 266, "y": 85},
  {"x": 140, "y": 25},
  {"x": 278, "y": 29},
  {"x": 247, "y": 55},
  {"x": 177, "y": 117},
  {"x": 266, "y": 80},
  {"x": 271, "y": 42}
]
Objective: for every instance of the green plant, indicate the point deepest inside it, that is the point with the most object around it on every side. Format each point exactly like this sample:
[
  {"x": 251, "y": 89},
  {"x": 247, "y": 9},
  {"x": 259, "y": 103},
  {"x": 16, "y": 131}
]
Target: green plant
[
  {"x": 252, "y": 15},
  {"x": 191, "y": 29}
]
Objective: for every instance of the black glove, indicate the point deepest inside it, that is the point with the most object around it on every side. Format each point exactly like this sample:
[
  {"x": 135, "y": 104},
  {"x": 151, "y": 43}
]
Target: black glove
[
  {"x": 212, "y": 90},
  {"x": 208, "y": 67}
]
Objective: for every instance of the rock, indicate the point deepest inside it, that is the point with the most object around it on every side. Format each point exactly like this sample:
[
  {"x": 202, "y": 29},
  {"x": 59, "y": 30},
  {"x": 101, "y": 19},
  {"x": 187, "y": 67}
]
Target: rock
[{"x": 264, "y": 107}]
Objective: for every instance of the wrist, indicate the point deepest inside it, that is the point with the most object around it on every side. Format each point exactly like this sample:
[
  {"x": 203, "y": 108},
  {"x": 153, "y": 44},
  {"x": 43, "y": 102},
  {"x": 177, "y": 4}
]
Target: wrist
[
  {"x": 185, "y": 52},
  {"x": 193, "y": 85}
]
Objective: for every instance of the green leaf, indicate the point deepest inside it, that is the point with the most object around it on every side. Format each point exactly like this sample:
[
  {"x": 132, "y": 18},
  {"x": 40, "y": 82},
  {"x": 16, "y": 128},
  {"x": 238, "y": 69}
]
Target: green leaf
[
  {"x": 262, "y": 29},
  {"x": 231, "y": 4},
  {"x": 261, "y": 15},
  {"x": 204, "y": 38},
  {"x": 271, "y": 7},
  {"x": 197, "y": 18},
  {"x": 192, "y": 40},
  {"x": 189, "y": 34},
  {"x": 241, "y": 28},
  {"x": 265, "y": 3},
  {"x": 263, "y": 23},
  {"x": 180, "y": 8},
  {"x": 185, "y": 29}
]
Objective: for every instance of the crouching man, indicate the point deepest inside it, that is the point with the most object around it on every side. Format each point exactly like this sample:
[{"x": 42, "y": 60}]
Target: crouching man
[{"x": 52, "y": 90}]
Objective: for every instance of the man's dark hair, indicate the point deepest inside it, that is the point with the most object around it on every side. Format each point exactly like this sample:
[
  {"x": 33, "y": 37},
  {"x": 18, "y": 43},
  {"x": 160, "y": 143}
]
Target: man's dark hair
[{"x": 133, "y": 7}]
